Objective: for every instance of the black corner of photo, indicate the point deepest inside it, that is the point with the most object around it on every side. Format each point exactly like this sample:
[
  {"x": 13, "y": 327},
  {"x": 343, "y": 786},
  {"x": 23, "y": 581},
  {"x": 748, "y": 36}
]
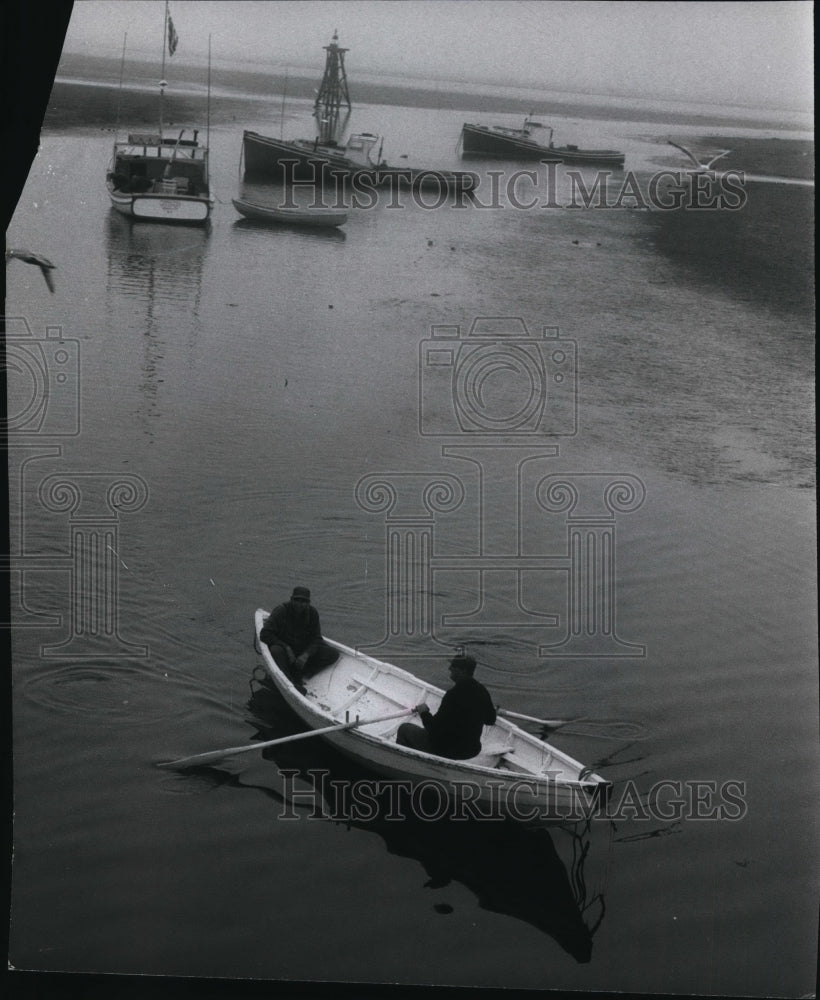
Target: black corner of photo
[{"x": 33, "y": 35}]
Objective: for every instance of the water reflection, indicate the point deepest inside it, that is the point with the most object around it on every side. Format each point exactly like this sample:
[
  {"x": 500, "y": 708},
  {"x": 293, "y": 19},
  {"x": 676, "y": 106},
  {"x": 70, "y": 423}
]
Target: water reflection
[
  {"x": 509, "y": 868},
  {"x": 155, "y": 264},
  {"x": 154, "y": 283}
]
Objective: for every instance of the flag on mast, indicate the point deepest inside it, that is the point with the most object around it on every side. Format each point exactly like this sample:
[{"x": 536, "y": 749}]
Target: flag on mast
[{"x": 173, "y": 38}]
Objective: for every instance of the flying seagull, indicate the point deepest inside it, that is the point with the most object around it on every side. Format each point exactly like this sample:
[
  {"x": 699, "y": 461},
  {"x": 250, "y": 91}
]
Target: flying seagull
[
  {"x": 707, "y": 165},
  {"x": 43, "y": 263}
]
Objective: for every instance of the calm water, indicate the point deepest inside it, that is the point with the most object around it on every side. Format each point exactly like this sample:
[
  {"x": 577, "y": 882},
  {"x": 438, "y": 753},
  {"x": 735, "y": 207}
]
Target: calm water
[{"x": 241, "y": 382}]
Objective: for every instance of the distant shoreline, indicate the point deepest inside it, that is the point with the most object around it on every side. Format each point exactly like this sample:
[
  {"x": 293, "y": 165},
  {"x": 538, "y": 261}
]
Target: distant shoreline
[
  {"x": 75, "y": 104},
  {"x": 233, "y": 84}
]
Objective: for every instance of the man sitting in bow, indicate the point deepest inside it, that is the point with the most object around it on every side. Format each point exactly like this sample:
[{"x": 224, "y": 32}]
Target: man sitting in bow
[{"x": 293, "y": 635}]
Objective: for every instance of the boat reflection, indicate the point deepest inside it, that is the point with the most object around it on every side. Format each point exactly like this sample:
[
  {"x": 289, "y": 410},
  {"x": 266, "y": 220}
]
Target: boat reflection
[
  {"x": 155, "y": 265},
  {"x": 326, "y": 234},
  {"x": 511, "y": 869},
  {"x": 153, "y": 298}
]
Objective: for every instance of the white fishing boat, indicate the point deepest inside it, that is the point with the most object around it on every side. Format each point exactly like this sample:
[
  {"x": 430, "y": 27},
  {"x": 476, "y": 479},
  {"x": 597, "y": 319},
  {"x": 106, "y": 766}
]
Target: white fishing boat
[
  {"x": 515, "y": 774},
  {"x": 157, "y": 177},
  {"x": 316, "y": 217}
]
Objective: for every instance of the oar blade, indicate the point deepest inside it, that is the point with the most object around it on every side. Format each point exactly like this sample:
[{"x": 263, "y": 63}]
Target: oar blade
[{"x": 200, "y": 758}]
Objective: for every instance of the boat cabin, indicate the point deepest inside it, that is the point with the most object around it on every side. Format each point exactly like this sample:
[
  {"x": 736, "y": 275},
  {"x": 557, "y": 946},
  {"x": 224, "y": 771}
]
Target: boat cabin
[{"x": 150, "y": 162}]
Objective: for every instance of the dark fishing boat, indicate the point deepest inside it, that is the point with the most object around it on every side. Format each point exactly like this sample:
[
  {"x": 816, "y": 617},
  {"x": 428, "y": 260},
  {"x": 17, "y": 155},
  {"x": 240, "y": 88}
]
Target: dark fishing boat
[
  {"x": 327, "y": 159},
  {"x": 503, "y": 142},
  {"x": 324, "y": 156}
]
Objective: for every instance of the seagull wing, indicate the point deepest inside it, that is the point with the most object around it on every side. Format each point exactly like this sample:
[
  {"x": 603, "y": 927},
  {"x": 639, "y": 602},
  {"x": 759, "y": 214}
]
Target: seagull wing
[
  {"x": 683, "y": 149},
  {"x": 719, "y": 156},
  {"x": 45, "y": 265}
]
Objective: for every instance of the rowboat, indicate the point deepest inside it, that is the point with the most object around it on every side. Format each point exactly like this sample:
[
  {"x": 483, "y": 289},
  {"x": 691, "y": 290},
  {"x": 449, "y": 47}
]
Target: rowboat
[
  {"x": 503, "y": 142},
  {"x": 516, "y": 774},
  {"x": 309, "y": 216}
]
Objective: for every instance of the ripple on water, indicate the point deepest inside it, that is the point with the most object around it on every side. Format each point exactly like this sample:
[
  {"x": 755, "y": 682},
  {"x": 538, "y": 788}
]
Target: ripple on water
[{"x": 102, "y": 690}]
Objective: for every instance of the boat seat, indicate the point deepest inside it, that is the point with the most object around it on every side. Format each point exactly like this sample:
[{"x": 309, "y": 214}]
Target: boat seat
[
  {"x": 491, "y": 756},
  {"x": 368, "y": 683}
]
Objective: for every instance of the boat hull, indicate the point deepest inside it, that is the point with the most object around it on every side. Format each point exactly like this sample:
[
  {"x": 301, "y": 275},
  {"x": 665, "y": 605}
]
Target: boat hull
[
  {"x": 312, "y": 217},
  {"x": 592, "y": 157},
  {"x": 541, "y": 785},
  {"x": 161, "y": 208},
  {"x": 485, "y": 141},
  {"x": 512, "y": 144},
  {"x": 279, "y": 159}
]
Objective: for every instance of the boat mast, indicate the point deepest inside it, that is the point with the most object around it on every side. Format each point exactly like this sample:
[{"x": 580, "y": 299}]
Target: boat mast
[
  {"x": 332, "y": 92},
  {"x": 208, "y": 116},
  {"x": 162, "y": 83},
  {"x": 122, "y": 68}
]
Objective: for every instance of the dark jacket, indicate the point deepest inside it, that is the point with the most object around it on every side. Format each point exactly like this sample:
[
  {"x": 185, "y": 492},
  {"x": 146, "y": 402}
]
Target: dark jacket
[
  {"x": 455, "y": 729},
  {"x": 283, "y": 626}
]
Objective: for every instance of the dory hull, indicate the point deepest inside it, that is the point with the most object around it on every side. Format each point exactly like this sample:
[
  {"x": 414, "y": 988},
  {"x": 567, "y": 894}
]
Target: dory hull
[
  {"x": 516, "y": 774},
  {"x": 313, "y": 217}
]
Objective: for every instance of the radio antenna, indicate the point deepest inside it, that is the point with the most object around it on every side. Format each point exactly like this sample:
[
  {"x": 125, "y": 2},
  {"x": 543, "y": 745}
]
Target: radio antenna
[{"x": 122, "y": 68}]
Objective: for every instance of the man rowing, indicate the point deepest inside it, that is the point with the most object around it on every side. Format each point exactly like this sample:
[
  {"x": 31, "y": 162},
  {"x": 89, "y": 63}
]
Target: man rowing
[{"x": 455, "y": 729}]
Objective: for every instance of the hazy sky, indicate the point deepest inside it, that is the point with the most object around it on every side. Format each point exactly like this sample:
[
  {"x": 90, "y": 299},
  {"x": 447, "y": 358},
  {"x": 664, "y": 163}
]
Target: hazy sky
[{"x": 744, "y": 53}]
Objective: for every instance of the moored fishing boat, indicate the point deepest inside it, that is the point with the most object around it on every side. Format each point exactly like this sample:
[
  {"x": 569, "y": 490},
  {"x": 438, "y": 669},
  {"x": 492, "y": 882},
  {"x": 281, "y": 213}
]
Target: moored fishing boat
[
  {"x": 328, "y": 158},
  {"x": 515, "y": 774},
  {"x": 161, "y": 178},
  {"x": 503, "y": 142},
  {"x": 324, "y": 156},
  {"x": 291, "y": 216}
]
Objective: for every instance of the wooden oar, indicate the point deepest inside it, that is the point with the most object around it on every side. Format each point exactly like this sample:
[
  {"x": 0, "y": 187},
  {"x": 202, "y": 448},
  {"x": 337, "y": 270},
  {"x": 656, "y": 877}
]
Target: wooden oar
[
  {"x": 549, "y": 723},
  {"x": 587, "y": 727},
  {"x": 212, "y": 755}
]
